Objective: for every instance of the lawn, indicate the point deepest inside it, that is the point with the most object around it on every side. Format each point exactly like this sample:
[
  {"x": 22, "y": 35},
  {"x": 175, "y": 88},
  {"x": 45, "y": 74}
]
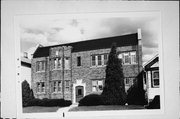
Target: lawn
[
  {"x": 106, "y": 107},
  {"x": 36, "y": 109}
]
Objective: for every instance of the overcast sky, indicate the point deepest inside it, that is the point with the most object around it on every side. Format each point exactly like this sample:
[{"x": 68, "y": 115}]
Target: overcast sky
[{"x": 57, "y": 31}]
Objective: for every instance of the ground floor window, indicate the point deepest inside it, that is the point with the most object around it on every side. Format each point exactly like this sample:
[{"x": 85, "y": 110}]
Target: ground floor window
[
  {"x": 129, "y": 81},
  {"x": 67, "y": 85},
  {"x": 56, "y": 86},
  {"x": 155, "y": 78},
  {"x": 97, "y": 85},
  {"x": 40, "y": 87}
]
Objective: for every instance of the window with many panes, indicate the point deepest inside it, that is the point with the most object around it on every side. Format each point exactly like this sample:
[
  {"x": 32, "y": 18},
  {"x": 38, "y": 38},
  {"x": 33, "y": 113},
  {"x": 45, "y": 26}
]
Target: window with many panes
[
  {"x": 66, "y": 63},
  {"x": 105, "y": 59},
  {"x": 93, "y": 60},
  {"x": 56, "y": 86},
  {"x": 155, "y": 78},
  {"x": 129, "y": 80},
  {"x": 40, "y": 66},
  {"x": 97, "y": 85},
  {"x": 57, "y": 63},
  {"x": 40, "y": 87},
  {"x": 67, "y": 85},
  {"x": 99, "y": 60},
  {"x": 128, "y": 57}
]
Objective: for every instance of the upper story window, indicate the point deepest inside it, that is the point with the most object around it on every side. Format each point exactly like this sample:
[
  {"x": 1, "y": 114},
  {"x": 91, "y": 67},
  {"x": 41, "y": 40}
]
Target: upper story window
[
  {"x": 155, "y": 78},
  {"x": 78, "y": 61},
  {"x": 99, "y": 60},
  {"x": 40, "y": 87},
  {"x": 93, "y": 60},
  {"x": 57, "y": 53},
  {"x": 40, "y": 66},
  {"x": 57, "y": 63},
  {"x": 128, "y": 57},
  {"x": 97, "y": 85},
  {"x": 66, "y": 63},
  {"x": 105, "y": 59}
]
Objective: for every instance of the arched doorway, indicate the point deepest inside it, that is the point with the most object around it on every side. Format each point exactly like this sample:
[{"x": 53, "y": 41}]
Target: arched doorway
[
  {"x": 79, "y": 93},
  {"x": 79, "y": 90}
]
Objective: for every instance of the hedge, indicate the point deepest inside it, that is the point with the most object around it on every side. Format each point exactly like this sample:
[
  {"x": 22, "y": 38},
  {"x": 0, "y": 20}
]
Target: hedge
[
  {"x": 49, "y": 102},
  {"x": 155, "y": 103},
  {"x": 91, "y": 100},
  {"x": 136, "y": 96}
]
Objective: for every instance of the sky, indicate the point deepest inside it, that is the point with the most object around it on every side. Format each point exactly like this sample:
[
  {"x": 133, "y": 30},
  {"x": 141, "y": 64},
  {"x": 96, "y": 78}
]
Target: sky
[{"x": 55, "y": 31}]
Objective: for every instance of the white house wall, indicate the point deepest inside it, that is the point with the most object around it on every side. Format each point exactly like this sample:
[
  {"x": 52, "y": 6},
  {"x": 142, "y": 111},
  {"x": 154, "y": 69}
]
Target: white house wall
[
  {"x": 151, "y": 92},
  {"x": 26, "y": 74}
]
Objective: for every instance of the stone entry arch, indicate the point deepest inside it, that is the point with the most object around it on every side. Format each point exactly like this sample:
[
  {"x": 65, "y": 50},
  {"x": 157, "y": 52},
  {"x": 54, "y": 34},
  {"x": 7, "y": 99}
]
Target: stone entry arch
[{"x": 79, "y": 90}]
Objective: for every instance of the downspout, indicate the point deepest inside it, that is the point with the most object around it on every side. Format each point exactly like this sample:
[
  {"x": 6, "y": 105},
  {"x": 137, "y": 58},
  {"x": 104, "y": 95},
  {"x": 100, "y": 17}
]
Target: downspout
[
  {"x": 71, "y": 78},
  {"x": 63, "y": 71}
]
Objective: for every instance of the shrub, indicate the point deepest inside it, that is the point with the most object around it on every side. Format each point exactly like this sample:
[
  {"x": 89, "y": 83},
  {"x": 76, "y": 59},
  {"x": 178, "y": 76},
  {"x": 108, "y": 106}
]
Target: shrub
[
  {"x": 136, "y": 93},
  {"x": 91, "y": 100},
  {"x": 155, "y": 103},
  {"x": 49, "y": 102},
  {"x": 136, "y": 96},
  {"x": 27, "y": 93}
]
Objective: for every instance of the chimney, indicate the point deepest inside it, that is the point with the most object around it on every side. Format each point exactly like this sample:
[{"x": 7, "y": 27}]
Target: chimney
[{"x": 139, "y": 36}]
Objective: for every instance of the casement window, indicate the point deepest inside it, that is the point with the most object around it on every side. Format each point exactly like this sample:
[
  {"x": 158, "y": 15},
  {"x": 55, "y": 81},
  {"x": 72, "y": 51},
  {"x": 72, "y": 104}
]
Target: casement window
[
  {"x": 155, "y": 78},
  {"x": 67, "y": 63},
  {"x": 93, "y": 60},
  {"x": 40, "y": 87},
  {"x": 105, "y": 59},
  {"x": 40, "y": 66},
  {"x": 56, "y": 86},
  {"x": 99, "y": 60},
  {"x": 97, "y": 85},
  {"x": 133, "y": 57},
  {"x": 67, "y": 85},
  {"x": 78, "y": 61},
  {"x": 59, "y": 86},
  {"x": 128, "y": 57},
  {"x": 57, "y": 63},
  {"x": 57, "y": 53},
  {"x": 129, "y": 80}
]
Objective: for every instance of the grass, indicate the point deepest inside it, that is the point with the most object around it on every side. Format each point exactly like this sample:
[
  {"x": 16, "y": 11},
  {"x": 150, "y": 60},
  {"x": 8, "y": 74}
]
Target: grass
[
  {"x": 106, "y": 107},
  {"x": 36, "y": 109}
]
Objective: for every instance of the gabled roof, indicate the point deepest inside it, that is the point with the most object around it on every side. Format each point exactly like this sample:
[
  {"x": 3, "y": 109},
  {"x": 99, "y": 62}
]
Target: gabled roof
[
  {"x": 102, "y": 43},
  {"x": 152, "y": 61}
]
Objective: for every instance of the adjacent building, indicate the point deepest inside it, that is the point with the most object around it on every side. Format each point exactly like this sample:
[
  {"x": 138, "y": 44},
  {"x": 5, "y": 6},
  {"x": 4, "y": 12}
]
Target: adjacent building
[
  {"x": 152, "y": 82},
  {"x": 73, "y": 70},
  {"x": 26, "y": 69}
]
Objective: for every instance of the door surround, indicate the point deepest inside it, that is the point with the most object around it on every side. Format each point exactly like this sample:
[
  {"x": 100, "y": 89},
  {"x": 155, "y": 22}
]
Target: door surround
[{"x": 78, "y": 83}]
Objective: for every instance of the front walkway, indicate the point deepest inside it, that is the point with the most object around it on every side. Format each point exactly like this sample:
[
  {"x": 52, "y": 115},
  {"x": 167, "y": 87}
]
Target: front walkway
[{"x": 66, "y": 109}]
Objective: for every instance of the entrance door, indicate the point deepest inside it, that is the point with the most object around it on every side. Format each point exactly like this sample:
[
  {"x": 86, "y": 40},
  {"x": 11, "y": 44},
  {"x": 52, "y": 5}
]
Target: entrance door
[{"x": 79, "y": 93}]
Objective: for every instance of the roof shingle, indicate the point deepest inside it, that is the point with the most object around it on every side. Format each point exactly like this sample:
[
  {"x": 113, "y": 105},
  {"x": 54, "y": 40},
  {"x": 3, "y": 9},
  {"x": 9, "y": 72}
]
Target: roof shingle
[{"x": 102, "y": 43}]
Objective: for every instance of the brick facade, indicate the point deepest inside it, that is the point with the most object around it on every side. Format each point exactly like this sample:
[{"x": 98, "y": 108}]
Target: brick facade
[{"x": 85, "y": 72}]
